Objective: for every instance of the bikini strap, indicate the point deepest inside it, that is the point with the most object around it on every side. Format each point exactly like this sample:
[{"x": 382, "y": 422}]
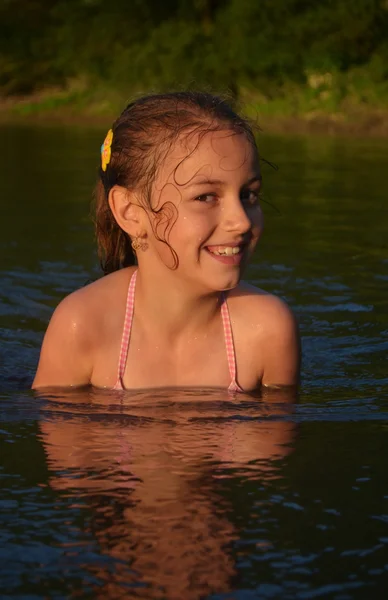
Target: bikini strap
[
  {"x": 234, "y": 387},
  {"x": 126, "y": 330},
  {"x": 230, "y": 352}
]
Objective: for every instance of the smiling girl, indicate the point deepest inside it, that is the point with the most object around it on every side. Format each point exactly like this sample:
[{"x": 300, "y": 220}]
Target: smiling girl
[{"x": 177, "y": 219}]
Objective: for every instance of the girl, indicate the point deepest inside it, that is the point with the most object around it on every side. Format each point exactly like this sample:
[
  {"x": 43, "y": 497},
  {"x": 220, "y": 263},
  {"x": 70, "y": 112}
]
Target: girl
[{"x": 177, "y": 218}]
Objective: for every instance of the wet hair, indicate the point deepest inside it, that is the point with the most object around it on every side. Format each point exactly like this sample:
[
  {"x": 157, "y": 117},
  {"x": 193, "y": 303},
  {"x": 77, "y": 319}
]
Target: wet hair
[{"x": 143, "y": 135}]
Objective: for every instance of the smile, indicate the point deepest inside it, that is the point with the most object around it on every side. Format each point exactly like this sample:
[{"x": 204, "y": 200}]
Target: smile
[
  {"x": 224, "y": 250},
  {"x": 228, "y": 255}
]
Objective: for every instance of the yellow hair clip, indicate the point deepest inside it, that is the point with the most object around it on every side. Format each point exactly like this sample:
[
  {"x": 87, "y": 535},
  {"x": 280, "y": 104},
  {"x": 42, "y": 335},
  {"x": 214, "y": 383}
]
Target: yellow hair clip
[{"x": 106, "y": 150}]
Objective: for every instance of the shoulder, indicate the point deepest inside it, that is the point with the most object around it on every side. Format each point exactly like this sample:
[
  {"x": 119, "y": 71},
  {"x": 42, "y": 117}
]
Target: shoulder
[
  {"x": 269, "y": 326},
  {"x": 265, "y": 312},
  {"x": 84, "y": 311},
  {"x": 77, "y": 328}
]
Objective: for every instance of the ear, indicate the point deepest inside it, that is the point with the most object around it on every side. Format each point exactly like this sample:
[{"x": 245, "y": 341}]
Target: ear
[{"x": 126, "y": 210}]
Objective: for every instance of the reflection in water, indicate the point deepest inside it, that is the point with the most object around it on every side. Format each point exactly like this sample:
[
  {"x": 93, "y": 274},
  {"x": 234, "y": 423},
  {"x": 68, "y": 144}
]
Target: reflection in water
[
  {"x": 155, "y": 493},
  {"x": 152, "y": 471}
]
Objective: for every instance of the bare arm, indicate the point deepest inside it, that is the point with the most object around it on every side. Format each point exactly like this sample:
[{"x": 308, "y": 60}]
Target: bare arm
[
  {"x": 66, "y": 357},
  {"x": 282, "y": 346}
]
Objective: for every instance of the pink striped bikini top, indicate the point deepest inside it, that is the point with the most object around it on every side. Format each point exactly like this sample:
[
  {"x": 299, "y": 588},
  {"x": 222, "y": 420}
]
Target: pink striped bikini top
[{"x": 233, "y": 387}]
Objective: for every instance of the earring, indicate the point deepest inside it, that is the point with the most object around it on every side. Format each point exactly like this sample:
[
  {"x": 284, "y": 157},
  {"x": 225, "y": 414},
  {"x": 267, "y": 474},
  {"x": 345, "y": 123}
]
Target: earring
[{"x": 138, "y": 244}]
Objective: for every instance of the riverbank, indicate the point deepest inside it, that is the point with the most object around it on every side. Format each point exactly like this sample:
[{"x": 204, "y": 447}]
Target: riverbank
[{"x": 277, "y": 116}]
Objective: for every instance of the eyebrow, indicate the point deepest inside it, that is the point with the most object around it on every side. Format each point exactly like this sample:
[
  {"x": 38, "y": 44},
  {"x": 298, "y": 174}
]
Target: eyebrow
[{"x": 208, "y": 181}]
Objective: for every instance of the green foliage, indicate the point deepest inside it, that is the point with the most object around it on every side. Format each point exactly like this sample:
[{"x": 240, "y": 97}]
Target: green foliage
[{"x": 327, "y": 49}]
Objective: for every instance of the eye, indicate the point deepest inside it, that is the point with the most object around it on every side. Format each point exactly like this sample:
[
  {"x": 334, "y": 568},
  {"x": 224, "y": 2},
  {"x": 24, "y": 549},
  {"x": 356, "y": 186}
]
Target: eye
[
  {"x": 207, "y": 198},
  {"x": 250, "y": 197}
]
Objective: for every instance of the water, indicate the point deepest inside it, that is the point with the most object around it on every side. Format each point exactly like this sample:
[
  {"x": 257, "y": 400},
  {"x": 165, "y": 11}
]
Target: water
[{"x": 195, "y": 494}]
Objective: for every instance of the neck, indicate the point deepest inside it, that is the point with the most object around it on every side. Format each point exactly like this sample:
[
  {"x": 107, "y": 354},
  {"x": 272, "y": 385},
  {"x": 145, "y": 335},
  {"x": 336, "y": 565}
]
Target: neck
[{"x": 171, "y": 307}]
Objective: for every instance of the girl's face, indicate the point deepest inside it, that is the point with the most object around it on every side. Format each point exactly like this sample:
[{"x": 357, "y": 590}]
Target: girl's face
[{"x": 211, "y": 215}]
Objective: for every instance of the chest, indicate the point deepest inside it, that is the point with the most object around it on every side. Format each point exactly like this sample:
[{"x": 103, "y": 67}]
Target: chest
[
  {"x": 205, "y": 360},
  {"x": 193, "y": 361}
]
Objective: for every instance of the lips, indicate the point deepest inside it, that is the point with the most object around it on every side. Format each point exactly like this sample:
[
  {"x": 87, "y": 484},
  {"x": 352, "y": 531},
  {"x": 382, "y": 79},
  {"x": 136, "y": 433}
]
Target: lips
[
  {"x": 224, "y": 250},
  {"x": 229, "y": 254}
]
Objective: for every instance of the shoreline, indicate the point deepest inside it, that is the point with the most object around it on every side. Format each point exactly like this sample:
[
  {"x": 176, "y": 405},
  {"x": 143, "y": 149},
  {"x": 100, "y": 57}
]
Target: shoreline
[
  {"x": 371, "y": 125},
  {"x": 365, "y": 122}
]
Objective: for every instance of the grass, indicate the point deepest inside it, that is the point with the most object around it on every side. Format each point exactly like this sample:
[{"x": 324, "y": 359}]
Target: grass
[{"x": 327, "y": 102}]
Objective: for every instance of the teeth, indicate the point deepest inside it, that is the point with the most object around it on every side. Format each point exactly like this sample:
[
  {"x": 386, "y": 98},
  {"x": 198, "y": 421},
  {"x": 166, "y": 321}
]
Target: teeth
[{"x": 226, "y": 250}]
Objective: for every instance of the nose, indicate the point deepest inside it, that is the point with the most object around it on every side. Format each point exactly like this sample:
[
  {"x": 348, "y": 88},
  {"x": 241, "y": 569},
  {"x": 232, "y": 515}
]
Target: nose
[{"x": 235, "y": 217}]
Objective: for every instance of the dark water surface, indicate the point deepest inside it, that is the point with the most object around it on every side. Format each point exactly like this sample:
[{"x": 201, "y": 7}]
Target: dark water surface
[{"x": 197, "y": 494}]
